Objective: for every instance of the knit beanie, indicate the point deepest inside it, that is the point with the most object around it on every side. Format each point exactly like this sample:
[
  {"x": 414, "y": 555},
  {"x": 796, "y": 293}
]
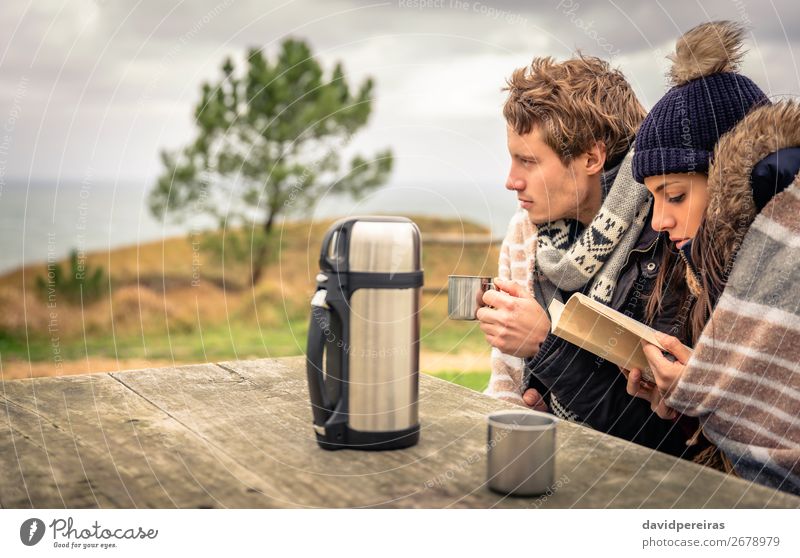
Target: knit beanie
[{"x": 707, "y": 99}]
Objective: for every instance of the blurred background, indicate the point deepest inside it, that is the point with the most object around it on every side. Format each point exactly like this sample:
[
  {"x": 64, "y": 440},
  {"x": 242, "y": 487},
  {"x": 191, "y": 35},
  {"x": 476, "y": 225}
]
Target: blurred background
[{"x": 167, "y": 168}]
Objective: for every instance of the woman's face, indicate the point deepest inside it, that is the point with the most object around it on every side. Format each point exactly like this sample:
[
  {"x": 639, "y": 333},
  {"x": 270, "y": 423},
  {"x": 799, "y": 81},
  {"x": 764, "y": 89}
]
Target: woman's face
[{"x": 679, "y": 204}]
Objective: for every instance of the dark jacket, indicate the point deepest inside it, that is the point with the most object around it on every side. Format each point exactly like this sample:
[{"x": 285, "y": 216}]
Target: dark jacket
[{"x": 591, "y": 390}]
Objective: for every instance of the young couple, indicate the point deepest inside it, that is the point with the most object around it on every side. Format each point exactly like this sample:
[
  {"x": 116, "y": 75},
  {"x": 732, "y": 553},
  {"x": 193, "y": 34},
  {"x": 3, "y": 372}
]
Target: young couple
[{"x": 686, "y": 218}]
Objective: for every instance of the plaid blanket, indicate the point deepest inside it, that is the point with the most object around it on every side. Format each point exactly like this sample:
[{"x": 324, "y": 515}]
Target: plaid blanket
[{"x": 743, "y": 379}]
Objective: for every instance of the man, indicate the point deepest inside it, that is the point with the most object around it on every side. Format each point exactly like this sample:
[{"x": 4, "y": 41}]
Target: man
[{"x": 581, "y": 227}]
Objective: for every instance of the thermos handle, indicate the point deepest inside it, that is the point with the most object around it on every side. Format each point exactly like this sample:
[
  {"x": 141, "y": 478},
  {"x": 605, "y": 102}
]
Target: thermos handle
[
  {"x": 336, "y": 235},
  {"x": 320, "y": 404}
]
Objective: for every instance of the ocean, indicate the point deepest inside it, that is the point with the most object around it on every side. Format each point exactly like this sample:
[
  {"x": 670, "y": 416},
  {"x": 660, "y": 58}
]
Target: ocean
[{"x": 44, "y": 219}]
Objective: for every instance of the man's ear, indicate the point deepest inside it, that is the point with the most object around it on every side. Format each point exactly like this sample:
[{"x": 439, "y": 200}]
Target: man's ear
[{"x": 596, "y": 158}]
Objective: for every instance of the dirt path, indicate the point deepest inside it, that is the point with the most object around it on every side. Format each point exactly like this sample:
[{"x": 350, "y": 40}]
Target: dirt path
[{"x": 465, "y": 362}]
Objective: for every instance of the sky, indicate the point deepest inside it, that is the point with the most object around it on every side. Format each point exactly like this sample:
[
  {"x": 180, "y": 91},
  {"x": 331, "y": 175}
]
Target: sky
[{"x": 96, "y": 89}]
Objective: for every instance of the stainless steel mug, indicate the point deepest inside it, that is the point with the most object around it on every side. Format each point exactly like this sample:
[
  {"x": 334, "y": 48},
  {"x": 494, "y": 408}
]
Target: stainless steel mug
[
  {"x": 465, "y": 295},
  {"x": 521, "y": 452}
]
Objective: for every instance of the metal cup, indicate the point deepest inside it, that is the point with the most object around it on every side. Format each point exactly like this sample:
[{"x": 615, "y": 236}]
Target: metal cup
[
  {"x": 521, "y": 452},
  {"x": 465, "y": 295}
]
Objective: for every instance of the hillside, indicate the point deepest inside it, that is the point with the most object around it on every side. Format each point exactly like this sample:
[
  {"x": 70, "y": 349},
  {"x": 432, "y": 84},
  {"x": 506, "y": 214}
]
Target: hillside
[{"x": 179, "y": 301}]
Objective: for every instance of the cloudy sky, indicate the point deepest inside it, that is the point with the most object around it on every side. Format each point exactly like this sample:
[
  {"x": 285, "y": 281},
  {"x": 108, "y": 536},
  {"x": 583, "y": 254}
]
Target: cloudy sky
[{"x": 99, "y": 86}]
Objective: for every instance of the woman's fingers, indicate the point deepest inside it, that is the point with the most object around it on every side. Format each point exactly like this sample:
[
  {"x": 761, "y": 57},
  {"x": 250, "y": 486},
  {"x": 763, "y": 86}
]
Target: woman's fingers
[
  {"x": 636, "y": 387},
  {"x": 674, "y": 347},
  {"x": 633, "y": 384},
  {"x": 655, "y": 356},
  {"x": 645, "y": 390},
  {"x": 666, "y": 372},
  {"x": 663, "y": 411}
]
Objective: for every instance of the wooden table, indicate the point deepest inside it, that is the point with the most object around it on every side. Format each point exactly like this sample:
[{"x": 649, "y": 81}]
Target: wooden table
[{"x": 238, "y": 435}]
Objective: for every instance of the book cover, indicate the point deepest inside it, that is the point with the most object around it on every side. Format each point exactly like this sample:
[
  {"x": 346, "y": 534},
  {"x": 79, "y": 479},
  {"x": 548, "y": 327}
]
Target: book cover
[{"x": 603, "y": 331}]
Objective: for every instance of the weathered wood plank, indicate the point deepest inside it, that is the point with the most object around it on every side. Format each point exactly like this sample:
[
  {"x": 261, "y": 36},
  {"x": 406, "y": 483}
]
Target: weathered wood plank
[
  {"x": 88, "y": 441},
  {"x": 239, "y": 434},
  {"x": 263, "y": 423},
  {"x": 597, "y": 470},
  {"x": 267, "y": 429}
]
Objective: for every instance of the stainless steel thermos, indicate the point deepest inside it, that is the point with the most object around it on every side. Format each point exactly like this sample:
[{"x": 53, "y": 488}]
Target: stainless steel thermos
[{"x": 362, "y": 357}]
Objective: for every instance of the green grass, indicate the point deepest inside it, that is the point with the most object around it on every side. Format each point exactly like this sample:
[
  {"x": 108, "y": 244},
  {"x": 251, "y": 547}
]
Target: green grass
[
  {"x": 452, "y": 337},
  {"x": 473, "y": 380},
  {"x": 220, "y": 342},
  {"x": 239, "y": 339}
]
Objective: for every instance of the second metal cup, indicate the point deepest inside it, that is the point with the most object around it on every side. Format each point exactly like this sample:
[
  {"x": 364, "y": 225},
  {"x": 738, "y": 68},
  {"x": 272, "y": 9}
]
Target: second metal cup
[{"x": 521, "y": 452}]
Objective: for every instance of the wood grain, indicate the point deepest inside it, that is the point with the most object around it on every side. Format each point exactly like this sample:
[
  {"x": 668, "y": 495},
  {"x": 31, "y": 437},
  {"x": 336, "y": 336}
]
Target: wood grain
[{"x": 238, "y": 435}]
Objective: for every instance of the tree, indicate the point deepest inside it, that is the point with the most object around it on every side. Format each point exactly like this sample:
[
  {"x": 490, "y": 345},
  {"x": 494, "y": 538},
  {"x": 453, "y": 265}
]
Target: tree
[
  {"x": 79, "y": 285},
  {"x": 269, "y": 142}
]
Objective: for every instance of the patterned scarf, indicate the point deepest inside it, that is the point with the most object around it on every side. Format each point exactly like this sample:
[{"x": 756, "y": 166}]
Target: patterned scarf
[{"x": 597, "y": 255}]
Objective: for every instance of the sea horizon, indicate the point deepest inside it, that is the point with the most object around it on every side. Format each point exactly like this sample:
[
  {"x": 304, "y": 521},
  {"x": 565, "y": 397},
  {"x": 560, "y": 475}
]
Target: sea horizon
[{"x": 44, "y": 219}]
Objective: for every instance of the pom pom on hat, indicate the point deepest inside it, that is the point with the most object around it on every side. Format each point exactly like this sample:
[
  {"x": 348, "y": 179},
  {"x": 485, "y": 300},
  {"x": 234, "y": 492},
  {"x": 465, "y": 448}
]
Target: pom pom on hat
[{"x": 707, "y": 49}]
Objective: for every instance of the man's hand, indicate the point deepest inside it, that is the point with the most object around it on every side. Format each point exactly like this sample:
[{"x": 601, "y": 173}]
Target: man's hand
[
  {"x": 647, "y": 391},
  {"x": 513, "y": 321},
  {"x": 667, "y": 372},
  {"x": 534, "y": 400}
]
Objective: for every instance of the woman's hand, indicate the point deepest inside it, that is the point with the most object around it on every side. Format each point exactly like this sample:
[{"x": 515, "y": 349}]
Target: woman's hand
[
  {"x": 666, "y": 371},
  {"x": 647, "y": 391}
]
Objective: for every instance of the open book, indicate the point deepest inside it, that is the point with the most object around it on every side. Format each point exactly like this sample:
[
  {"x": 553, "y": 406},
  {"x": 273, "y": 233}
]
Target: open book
[{"x": 601, "y": 330}]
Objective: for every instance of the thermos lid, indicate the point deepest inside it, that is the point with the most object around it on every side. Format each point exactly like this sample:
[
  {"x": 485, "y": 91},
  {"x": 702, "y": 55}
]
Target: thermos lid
[{"x": 376, "y": 244}]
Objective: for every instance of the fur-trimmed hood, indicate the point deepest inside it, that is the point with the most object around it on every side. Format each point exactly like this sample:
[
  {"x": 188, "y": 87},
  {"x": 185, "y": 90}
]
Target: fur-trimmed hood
[{"x": 731, "y": 208}]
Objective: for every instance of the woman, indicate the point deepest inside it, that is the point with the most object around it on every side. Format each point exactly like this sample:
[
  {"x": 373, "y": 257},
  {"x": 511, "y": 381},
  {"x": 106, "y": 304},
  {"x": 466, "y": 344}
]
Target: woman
[{"x": 721, "y": 163}]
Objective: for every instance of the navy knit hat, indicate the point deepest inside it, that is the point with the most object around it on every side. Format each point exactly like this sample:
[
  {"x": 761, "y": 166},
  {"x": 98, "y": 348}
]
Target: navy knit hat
[{"x": 707, "y": 100}]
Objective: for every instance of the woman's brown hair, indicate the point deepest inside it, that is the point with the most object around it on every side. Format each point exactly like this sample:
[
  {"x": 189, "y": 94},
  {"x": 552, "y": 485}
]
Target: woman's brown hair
[
  {"x": 712, "y": 261},
  {"x": 671, "y": 283}
]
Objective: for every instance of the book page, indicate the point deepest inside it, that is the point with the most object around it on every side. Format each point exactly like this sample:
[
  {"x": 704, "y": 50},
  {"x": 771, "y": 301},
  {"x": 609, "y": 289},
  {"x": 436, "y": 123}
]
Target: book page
[
  {"x": 644, "y": 331},
  {"x": 581, "y": 325},
  {"x": 555, "y": 309}
]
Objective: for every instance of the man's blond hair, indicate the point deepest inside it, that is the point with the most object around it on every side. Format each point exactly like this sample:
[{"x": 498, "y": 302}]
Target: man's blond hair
[{"x": 576, "y": 104}]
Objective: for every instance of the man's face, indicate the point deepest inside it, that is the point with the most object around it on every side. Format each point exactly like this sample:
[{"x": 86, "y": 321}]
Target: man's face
[{"x": 546, "y": 188}]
